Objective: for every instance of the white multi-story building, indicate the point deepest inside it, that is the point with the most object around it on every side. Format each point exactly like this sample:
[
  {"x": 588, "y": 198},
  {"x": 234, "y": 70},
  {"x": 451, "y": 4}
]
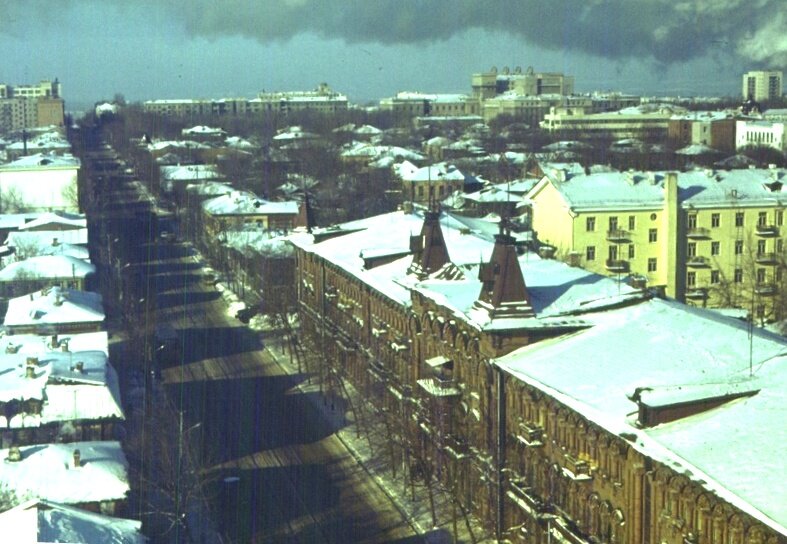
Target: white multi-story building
[
  {"x": 760, "y": 133},
  {"x": 762, "y": 85}
]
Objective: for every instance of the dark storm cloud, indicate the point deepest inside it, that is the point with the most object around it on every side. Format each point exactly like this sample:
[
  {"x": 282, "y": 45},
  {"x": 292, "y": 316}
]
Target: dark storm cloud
[{"x": 666, "y": 30}]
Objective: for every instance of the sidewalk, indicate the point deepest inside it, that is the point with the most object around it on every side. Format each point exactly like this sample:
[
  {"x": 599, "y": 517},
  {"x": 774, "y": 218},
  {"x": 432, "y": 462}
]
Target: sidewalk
[{"x": 369, "y": 448}]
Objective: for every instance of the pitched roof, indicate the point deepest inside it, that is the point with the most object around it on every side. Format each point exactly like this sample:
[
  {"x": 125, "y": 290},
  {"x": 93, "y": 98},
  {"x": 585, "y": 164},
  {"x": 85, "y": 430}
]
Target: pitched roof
[
  {"x": 47, "y": 471},
  {"x": 38, "y": 520}
]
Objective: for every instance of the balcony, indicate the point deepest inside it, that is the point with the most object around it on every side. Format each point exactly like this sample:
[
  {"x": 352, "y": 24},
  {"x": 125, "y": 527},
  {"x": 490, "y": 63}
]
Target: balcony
[
  {"x": 697, "y": 261},
  {"x": 766, "y": 289},
  {"x": 439, "y": 387},
  {"x": 618, "y": 236},
  {"x": 697, "y": 293},
  {"x": 617, "y": 265},
  {"x": 698, "y": 233},
  {"x": 576, "y": 469},
  {"x": 767, "y": 231},
  {"x": 530, "y": 435},
  {"x": 531, "y": 504},
  {"x": 767, "y": 258}
]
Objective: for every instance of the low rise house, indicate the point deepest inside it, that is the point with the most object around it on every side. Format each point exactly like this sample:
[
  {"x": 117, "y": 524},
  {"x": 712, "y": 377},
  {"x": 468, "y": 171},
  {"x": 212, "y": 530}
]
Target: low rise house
[
  {"x": 39, "y": 520},
  {"x": 55, "y": 310},
  {"x": 45, "y": 271},
  {"x": 57, "y": 396},
  {"x": 238, "y": 207},
  {"x": 90, "y": 475}
]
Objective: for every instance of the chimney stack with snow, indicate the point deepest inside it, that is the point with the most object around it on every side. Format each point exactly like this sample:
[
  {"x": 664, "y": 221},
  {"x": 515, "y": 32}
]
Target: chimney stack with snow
[{"x": 77, "y": 459}]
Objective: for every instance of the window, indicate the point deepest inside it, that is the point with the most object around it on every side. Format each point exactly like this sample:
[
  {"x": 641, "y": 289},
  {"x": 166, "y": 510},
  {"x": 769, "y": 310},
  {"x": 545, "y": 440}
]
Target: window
[
  {"x": 631, "y": 251},
  {"x": 652, "y": 264},
  {"x": 632, "y": 222},
  {"x": 738, "y": 247},
  {"x": 738, "y": 275},
  {"x": 691, "y": 279},
  {"x": 715, "y": 248},
  {"x": 692, "y": 223},
  {"x": 691, "y": 250},
  {"x": 779, "y": 217},
  {"x": 739, "y": 219},
  {"x": 762, "y": 219},
  {"x": 760, "y": 247},
  {"x": 779, "y": 245},
  {"x": 653, "y": 235},
  {"x": 715, "y": 220},
  {"x": 714, "y": 277},
  {"x": 590, "y": 253},
  {"x": 590, "y": 224},
  {"x": 760, "y": 275},
  {"x": 613, "y": 223}
]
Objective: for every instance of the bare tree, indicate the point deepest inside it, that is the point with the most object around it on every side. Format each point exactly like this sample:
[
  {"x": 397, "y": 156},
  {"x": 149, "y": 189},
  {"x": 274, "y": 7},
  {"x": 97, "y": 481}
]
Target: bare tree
[{"x": 169, "y": 467}]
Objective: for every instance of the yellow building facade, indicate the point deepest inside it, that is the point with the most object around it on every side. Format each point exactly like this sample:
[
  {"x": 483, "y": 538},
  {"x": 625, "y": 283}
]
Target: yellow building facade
[{"x": 708, "y": 238}]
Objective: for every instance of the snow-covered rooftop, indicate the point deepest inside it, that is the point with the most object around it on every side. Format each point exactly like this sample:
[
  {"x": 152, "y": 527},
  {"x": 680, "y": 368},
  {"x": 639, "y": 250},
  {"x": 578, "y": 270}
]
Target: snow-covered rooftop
[
  {"x": 190, "y": 172},
  {"x": 47, "y": 266},
  {"x": 247, "y": 203},
  {"x": 679, "y": 354},
  {"x": 698, "y": 188},
  {"x": 56, "y": 221},
  {"x": 555, "y": 288},
  {"x": 37, "y": 520},
  {"x": 48, "y": 472},
  {"x": 42, "y": 161},
  {"x": 73, "y": 385},
  {"x": 34, "y": 344},
  {"x": 43, "y": 238},
  {"x": 436, "y": 173},
  {"x": 54, "y": 306}
]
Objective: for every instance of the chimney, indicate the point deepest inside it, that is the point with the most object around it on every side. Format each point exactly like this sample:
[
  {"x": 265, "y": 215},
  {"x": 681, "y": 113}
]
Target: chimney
[
  {"x": 30, "y": 370},
  {"x": 55, "y": 242},
  {"x": 64, "y": 346},
  {"x": 77, "y": 459},
  {"x": 12, "y": 348},
  {"x": 79, "y": 367},
  {"x": 53, "y": 341},
  {"x": 58, "y": 300},
  {"x": 503, "y": 291},
  {"x": 429, "y": 251}
]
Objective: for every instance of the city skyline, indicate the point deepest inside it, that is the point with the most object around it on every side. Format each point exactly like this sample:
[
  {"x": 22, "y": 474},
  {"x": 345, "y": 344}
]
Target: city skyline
[{"x": 152, "y": 50}]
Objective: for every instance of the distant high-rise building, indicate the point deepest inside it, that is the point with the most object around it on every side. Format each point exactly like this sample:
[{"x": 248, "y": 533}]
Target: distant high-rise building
[
  {"x": 27, "y": 106},
  {"x": 763, "y": 85}
]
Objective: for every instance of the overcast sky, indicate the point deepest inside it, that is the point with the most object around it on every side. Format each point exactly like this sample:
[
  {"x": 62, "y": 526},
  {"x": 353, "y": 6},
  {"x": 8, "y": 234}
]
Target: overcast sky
[{"x": 369, "y": 49}]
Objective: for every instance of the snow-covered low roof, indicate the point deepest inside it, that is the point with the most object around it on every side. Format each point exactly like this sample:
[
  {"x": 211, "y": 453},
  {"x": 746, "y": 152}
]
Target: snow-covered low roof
[
  {"x": 673, "y": 353},
  {"x": 43, "y": 161},
  {"x": 35, "y": 344},
  {"x": 48, "y": 472},
  {"x": 38, "y": 520},
  {"x": 56, "y": 221},
  {"x": 39, "y": 238},
  {"x": 74, "y": 386},
  {"x": 53, "y": 306},
  {"x": 247, "y": 203},
  {"x": 47, "y": 266}
]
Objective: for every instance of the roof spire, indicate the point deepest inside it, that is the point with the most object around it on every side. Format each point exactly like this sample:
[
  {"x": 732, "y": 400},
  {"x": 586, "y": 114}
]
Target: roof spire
[
  {"x": 429, "y": 251},
  {"x": 503, "y": 291}
]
